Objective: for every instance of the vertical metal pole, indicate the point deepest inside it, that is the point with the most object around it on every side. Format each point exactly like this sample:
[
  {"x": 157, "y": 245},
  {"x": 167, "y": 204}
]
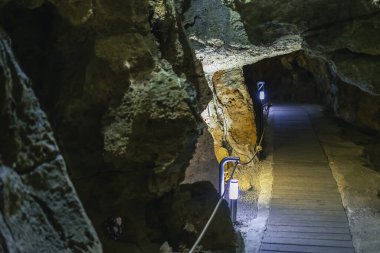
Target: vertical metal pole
[
  {"x": 233, "y": 209},
  {"x": 221, "y": 171}
]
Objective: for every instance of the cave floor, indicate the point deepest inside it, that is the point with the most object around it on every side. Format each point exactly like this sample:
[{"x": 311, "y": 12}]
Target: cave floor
[
  {"x": 306, "y": 211},
  {"x": 324, "y": 196},
  {"x": 317, "y": 191}
]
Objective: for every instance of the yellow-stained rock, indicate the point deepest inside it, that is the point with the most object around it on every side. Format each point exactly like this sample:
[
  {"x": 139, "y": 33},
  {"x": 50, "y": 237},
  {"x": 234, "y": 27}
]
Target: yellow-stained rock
[{"x": 231, "y": 120}]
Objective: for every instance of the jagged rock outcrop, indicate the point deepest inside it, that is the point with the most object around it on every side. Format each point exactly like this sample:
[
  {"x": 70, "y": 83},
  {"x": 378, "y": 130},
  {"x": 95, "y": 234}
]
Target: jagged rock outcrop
[
  {"x": 39, "y": 209},
  {"x": 125, "y": 105},
  {"x": 220, "y": 40},
  {"x": 230, "y": 116}
]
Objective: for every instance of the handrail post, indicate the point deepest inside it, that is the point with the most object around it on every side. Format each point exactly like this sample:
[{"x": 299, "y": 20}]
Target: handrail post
[{"x": 222, "y": 163}]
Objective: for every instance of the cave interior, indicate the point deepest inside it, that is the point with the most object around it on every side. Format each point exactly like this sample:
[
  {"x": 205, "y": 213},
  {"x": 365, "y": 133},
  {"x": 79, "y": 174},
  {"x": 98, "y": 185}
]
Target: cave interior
[{"x": 135, "y": 97}]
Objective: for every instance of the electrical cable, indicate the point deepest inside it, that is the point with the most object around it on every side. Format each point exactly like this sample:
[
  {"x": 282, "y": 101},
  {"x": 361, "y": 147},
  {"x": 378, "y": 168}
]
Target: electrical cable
[
  {"x": 213, "y": 212},
  {"x": 260, "y": 141}
]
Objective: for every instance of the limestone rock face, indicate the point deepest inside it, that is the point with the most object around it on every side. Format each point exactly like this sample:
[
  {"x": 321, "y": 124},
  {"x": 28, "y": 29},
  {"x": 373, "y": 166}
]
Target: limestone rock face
[
  {"x": 230, "y": 116},
  {"x": 40, "y": 210},
  {"x": 153, "y": 123},
  {"x": 231, "y": 121},
  {"x": 125, "y": 105},
  {"x": 220, "y": 39}
]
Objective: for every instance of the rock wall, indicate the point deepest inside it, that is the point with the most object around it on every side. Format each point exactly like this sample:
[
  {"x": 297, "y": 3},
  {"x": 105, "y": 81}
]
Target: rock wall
[
  {"x": 230, "y": 116},
  {"x": 39, "y": 209},
  {"x": 124, "y": 92},
  {"x": 342, "y": 34}
]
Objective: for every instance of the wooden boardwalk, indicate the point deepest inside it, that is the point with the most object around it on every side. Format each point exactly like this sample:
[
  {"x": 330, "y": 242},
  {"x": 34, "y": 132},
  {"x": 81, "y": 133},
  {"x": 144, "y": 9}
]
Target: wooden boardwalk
[{"x": 306, "y": 209}]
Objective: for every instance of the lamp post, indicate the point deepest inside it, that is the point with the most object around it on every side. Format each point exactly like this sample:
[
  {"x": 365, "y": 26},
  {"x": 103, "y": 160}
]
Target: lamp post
[
  {"x": 233, "y": 196},
  {"x": 233, "y": 187},
  {"x": 261, "y": 90},
  {"x": 261, "y": 95},
  {"x": 221, "y": 171}
]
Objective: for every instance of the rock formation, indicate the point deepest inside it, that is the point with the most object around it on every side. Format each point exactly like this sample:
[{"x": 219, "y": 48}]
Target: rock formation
[
  {"x": 124, "y": 93},
  {"x": 40, "y": 210},
  {"x": 126, "y": 86}
]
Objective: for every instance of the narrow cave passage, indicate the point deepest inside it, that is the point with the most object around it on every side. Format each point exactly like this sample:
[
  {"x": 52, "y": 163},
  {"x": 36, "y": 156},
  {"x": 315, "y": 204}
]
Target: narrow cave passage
[
  {"x": 115, "y": 114},
  {"x": 315, "y": 166},
  {"x": 306, "y": 213}
]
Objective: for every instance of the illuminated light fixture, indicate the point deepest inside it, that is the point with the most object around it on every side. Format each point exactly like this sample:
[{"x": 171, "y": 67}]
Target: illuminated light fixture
[
  {"x": 234, "y": 189},
  {"x": 233, "y": 196},
  {"x": 260, "y": 89},
  {"x": 262, "y": 95}
]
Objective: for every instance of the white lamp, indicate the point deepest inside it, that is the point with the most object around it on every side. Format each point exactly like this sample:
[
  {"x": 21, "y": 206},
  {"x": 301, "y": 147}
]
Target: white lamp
[
  {"x": 234, "y": 189},
  {"x": 262, "y": 95}
]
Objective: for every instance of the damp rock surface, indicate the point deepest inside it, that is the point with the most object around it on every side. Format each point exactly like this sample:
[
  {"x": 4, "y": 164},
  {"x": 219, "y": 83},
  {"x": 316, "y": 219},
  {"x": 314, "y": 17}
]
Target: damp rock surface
[
  {"x": 123, "y": 91},
  {"x": 40, "y": 210}
]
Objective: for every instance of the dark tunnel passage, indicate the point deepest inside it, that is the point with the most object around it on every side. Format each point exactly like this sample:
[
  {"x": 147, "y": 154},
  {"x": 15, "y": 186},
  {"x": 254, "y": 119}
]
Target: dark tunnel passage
[
  {"x": 297, "y": 78},
  {"x": 34, "y": 35},
  {"x": 290, "y": 78}
]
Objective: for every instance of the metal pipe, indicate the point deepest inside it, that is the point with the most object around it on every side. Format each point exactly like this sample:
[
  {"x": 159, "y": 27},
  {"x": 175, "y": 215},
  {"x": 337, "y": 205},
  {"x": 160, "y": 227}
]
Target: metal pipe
[
  {"x": 233, "y": 209},
  {"x": 221, "y": 171}
]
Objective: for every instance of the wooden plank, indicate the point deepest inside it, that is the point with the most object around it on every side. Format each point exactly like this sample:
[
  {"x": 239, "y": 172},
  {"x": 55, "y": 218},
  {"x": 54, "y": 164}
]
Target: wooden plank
[
  {"x": 311, "y": 242},
  {"x": 301, "y": 163},
  {"x": 305, "y": 184},
  {"x": 306, "y": 202},
  {"x": 303, "y": 248},
  {"x": 310, "y": 167},
  {"x": 324, "y": 236},
  {"x": 317, "y": 176},
  {"x": 305, "y": 195},
  {"x": 304, "y": 223},
  {"x": 292, "y": 211},
  {"x": 310, "y": 192},
  {"x": 281, "y": 228},
  {"x": 303, "y": 188},
  {"x": 292, "y": 197},
  {"x": 302, "y": 174},
  {"x": 301, "y": 166},
  {"x": 299, "y": 217},
  {"x": 311, "y": 206},
  {"x": 320, "y": 184}
]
